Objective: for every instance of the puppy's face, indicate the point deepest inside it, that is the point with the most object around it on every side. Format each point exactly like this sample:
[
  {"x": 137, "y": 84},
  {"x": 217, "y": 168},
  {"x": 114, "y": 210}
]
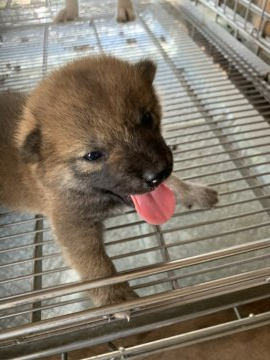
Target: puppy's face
[{"x": 94, "y": 127}]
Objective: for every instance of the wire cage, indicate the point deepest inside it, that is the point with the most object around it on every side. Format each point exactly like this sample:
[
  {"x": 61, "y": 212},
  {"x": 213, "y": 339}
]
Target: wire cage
[
  {"x": 216, "y": 111},
  {"x": 247, "y": 18}
]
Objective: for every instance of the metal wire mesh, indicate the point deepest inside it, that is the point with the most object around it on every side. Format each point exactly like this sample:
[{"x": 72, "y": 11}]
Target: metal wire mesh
[
  {"x": 216, "y": 113},
  {"x": 247, "y": 20}
]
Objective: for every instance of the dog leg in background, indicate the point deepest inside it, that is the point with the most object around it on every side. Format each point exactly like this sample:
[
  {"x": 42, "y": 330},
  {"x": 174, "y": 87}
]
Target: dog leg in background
[
  {"x": 125, "y": 11},
  {"x": 193, "y": 194},
  {"x": 70, "y": 12},
  {"x": 81, "y": 242}
]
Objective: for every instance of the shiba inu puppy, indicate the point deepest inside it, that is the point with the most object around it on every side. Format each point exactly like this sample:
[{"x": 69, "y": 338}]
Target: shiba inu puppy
[{"x": 85, "y": 142}]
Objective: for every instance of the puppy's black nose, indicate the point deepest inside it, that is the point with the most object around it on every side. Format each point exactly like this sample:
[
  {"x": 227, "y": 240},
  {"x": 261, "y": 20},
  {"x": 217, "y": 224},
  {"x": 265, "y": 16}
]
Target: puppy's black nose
[{"x": 153, "y": 178}]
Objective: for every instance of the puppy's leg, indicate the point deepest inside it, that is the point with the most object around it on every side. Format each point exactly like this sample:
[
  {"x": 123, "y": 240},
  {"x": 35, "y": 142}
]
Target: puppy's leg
[
  {"x": 70, "y": 12},
  {"x": 81, "y": 242},
  {"x": 193, "y": 194},
  {"x": 125, "y": 11}
]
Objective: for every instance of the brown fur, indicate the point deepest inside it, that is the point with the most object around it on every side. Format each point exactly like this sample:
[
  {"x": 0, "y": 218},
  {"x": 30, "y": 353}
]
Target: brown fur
[
  {"x": 90, "y": 104},
  {"x": 93, "y": 104}
]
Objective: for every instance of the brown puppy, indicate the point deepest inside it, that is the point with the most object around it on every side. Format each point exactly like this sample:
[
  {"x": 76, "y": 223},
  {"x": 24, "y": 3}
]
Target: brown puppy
[{"x": 85, "y": 140}]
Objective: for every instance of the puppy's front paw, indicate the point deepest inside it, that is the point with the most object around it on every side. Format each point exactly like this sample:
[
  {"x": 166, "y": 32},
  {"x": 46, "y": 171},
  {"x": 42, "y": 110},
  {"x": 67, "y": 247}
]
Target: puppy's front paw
[
  {"x": 114, "y": 295},
  {"x": 125, "y": 11},
  {"x": 122, "y": 315},
  {"x": 193, "y": 194},
  {"x": 127, "y": 295},
  {"x": 199, "y": 196}
]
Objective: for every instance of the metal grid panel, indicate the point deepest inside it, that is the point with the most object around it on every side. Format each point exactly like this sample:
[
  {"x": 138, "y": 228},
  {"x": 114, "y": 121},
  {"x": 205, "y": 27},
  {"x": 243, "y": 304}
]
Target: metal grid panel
[
  {"x": 215, "y": 118},
  {"x": 247, "y": 20}
]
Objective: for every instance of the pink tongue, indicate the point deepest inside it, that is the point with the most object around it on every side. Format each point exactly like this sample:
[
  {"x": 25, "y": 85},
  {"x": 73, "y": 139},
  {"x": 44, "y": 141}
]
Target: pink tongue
[{"x": 155, "y": 207}]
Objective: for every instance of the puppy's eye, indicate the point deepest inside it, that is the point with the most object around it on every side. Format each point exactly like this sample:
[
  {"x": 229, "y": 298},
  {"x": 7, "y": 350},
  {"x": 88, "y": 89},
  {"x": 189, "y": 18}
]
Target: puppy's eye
[
  {"x": 93, "y": 156},
  {"x": 147, "y": 120}
]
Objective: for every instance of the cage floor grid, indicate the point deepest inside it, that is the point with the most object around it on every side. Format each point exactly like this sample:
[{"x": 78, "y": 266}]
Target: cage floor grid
[{"x": 216, "y": 114}]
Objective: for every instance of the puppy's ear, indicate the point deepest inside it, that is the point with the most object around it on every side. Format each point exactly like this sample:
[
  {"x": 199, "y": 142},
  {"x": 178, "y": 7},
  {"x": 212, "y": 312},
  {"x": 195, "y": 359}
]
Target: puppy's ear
[
  {"x": 30, "y": 149},
  {"x": 28, "y": 139},
  {"x": 147, "y": 69}
]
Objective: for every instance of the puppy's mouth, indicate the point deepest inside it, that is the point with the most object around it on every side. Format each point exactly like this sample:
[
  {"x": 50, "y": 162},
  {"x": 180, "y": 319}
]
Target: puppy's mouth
[
  {"x": 155, "y": 207},
  {"x": 125, "y": 199}
]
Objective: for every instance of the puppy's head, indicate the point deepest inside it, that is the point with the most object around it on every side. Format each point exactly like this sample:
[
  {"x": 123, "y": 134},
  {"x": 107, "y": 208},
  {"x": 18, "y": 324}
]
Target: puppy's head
[{"x": 94, "y": 127}]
